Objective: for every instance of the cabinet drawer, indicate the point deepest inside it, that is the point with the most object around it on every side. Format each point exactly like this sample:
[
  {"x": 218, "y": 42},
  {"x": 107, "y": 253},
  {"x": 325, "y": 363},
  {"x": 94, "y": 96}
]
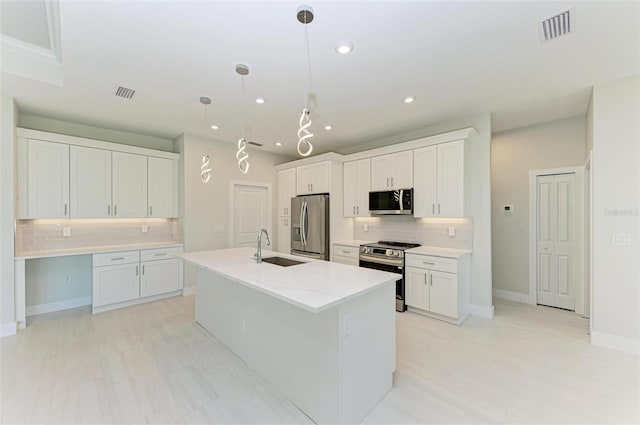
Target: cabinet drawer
[
  {"x": 432, "y": 263},
  {"x": 114, "y": 258},
  {"x": 346, "y": 260},
  {"x": 159, "y": 254},
  {"x": 346, "y": 251}
]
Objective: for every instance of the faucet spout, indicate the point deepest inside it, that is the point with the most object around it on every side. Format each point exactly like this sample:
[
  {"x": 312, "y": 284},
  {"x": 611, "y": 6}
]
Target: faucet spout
[{"x": 259, "y": 253}]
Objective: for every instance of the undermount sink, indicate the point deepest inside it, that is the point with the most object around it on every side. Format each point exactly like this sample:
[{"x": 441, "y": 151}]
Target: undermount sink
[{"x": 281, "y": 261}]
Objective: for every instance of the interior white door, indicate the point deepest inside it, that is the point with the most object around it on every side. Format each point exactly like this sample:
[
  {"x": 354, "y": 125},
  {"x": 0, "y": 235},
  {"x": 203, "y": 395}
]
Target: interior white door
[
  {"x": 251, "y": 213},
  {"x": 556, "y": 218}
]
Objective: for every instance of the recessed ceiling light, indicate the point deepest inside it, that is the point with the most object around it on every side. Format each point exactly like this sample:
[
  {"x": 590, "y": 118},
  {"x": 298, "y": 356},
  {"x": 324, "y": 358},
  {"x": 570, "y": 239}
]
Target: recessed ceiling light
[
  {"x": 328, "y": 127},
  {"x": 260, "y": 100},
  {"x": 344, "y": 47},
  {"x": 278, "y": 144},
  {"x": 214, "y": 127},
  {"x": 409, "y": 99}
]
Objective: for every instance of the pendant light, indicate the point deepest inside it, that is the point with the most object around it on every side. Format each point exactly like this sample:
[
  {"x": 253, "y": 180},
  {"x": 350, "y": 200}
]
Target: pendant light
[
  {"x": 305, "y": 17},
  {"x": 205, "y": 168},
  {"x": 241, "y": 155}
]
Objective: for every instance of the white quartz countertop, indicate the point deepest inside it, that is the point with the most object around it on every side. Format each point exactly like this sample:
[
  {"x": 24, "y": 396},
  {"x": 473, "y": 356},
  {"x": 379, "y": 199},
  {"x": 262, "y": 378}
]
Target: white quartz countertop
[
  {"x": 27, "y": 255},
  {"x": 314, "y": 286},
  {"x": 438, "y": 251},
  {"x": 354, "y": 242}
]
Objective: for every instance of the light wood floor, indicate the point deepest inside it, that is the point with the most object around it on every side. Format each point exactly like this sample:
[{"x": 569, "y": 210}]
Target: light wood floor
[{"x": 152, "y": 364}]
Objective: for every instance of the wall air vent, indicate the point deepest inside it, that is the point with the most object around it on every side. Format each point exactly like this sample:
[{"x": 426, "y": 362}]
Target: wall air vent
[
  {"x": 124, "y": 92},
  {"x": 558, "y": 25},
  {"x": 255, "y": 144}
]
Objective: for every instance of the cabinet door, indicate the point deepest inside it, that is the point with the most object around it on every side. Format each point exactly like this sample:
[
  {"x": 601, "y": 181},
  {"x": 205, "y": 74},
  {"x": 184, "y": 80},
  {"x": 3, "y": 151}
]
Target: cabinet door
[
  {"x": 451, "y": 179},
  {"x": 161, "y": 178},
  {"x": 284, "y": 235},
  {"x": 114, "y": 284},
  {"x": 425, "y": 174},
  {"x": 303, "y": 180},
  {"x": 48, "y": 179},
  {"x": 320, "y": 177},
  {"x": 90, "y": 182},
  {"x": 351, "y": 193},
  {"x": 286, "y": 191},
  {"x": 401, "y": 170},
  {"x": 416, "y": 288},
  {"x": 364, "y": 186},
  {"x": 129, "y": 185},
  {"x": 380, "y": 172},
  {"x": 159, "y": 277},
  {"x": 443, "y": 293}
]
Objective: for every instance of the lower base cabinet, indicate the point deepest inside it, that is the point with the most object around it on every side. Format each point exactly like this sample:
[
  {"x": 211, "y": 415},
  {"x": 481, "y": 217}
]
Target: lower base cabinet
[
  {"x": 346, "y": 254},
  {"x": 122, "y": 277},
  {"x": 438, "y": 286}
]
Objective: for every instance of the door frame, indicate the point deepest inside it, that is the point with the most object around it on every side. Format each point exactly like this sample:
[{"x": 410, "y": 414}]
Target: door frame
[
  {"x": 232, "y": 207},
  {"x": 578, "y": 290}
]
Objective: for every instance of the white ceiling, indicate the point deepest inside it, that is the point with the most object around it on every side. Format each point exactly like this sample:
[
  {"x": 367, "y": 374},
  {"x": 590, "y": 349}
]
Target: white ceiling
[{"x": 455, "y": 58}]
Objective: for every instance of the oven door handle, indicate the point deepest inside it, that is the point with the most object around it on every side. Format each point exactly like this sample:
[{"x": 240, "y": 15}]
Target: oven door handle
[{"x": 379, "y": 260}]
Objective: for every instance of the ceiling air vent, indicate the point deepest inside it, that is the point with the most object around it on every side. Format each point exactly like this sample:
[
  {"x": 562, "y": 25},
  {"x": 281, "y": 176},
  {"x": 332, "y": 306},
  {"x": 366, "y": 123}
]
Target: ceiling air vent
[
  {"x": 557, "y": 25},
  {"x": 124, "y": 92},
  {"x": 255, "y": 144}
]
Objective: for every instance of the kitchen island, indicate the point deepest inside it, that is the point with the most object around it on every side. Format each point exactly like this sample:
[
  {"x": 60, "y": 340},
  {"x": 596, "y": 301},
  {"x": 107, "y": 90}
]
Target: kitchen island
[{"x": 322, "y": 333}]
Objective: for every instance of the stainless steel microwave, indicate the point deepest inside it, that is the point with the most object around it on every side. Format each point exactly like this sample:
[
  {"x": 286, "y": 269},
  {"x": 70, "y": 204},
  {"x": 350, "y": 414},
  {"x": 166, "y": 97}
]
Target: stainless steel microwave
[{"x": 391, "y": 202}]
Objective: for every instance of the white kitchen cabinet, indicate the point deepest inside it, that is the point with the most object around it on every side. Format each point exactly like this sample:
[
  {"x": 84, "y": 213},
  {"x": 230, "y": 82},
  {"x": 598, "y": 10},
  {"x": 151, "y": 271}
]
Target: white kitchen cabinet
[
  {"x": 313, "y": 178},
  {"x": 159, "y": 277},
  {"x": 438, "y": 286},
  {"x": 393, "y": 171},
  {"x": 129, "y": 185},
  {"x": 357, "y": 184},
  {"x": 47, "y": 185},
  {"x": 162, "y": 175},
  {"x": 90, "y": 182},
  {"x": 346, "y": 254},
  {"x": 116, "y": 277},
  {"x": 284, "y": 235},
  {"x": 439, "y": 180},
  {"x": 286, "y": 191}
]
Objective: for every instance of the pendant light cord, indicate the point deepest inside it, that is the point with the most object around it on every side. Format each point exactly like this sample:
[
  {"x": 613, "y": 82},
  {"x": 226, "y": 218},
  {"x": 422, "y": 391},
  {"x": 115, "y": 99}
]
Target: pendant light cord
[{"x": 307, "y": 88}]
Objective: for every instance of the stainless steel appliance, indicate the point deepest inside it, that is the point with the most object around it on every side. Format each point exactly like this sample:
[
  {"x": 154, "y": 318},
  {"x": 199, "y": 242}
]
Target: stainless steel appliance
[
  {"x": 387, "y": 256},
  {"x": 391, "y": 202},
  {"x": 310, "y": 226}
]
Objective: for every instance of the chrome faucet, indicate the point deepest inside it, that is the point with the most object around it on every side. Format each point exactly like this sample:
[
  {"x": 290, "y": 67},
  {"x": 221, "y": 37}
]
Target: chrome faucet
[{"x": 258, "y": 254}]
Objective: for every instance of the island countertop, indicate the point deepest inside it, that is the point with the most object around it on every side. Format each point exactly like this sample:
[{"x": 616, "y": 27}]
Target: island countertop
[{"x": 314, "y": 286}]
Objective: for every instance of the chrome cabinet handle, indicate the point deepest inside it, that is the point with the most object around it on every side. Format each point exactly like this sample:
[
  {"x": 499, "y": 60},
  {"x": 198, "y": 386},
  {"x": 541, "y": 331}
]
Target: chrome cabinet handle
[
  {"x": 150, "y": 209},
  {"x": 438, "y": 208},
  {"x": 117, "y": 258},
  {"x": 65, "y": 209},
  {"x": 108, "y": 209},
  {"x": 433, "y": 209},
  {"x": 143, "y": 269},
  {"x": 391, "y": 181},
  {"x": 431, "y": 279},
  {"x": 387, "y": 181},
  {"x": 425, "y": 278},
  {"x": 115, "y": 210},
  {"x": 428, "y": 263},
  {"x": 345, "y": 252},
  {"x": 160, "y": 255},
  {"x": 354, "y": 209},
  {"x": 136, "y": 270},
  {"x": 358, "y": 210}
]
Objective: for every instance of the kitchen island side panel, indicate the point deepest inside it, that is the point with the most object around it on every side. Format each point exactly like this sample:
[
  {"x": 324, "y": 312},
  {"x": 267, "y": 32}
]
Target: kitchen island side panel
[{"x": 333, "y": 375}]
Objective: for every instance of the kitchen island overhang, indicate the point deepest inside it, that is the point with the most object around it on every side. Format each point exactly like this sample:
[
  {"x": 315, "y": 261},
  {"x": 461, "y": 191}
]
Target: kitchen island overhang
[{"x": 322, "y": 333}]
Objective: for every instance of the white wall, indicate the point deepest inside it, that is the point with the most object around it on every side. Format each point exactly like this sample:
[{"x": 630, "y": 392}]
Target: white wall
[
  {"x": 207, "y": 205},
  {"x": 480, "y": 197},
  {"x": 8, "y": 119},
  {"x": 90, "y": 132},
  {"x": 616, "y": 200},
  {"x": 513, "y": 153},
  {"x": 46, "y": 279}
]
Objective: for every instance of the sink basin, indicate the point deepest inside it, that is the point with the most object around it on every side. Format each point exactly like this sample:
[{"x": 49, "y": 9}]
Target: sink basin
[{"x": 281, "y": 261}]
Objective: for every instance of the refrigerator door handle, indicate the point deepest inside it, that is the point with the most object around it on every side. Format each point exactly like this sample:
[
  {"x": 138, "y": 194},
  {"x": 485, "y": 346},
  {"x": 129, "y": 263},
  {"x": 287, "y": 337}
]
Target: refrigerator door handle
[
  {"x": 302, "y": 220},
  {"x": 305, "y": 223}
]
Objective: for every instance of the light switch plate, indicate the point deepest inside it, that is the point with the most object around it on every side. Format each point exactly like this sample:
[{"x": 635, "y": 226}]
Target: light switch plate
[
  {"x": 218, "y": 228},
  {"x": 621, "y": 239},
  {"x": 66, "y": 232}
]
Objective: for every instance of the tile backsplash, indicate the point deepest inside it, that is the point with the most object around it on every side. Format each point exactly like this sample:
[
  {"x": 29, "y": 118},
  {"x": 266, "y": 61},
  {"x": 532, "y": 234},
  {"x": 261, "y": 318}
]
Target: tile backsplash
[
  {"x": 47, "y": 235},
  {"x": 425, "y": 231}
]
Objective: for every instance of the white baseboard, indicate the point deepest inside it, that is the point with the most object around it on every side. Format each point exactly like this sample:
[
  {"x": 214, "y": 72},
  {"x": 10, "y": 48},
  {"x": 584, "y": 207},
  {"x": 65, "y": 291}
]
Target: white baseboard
[
  {"x": 481, "y": 311},
  {"x": 615, "y": 342},
  {"x": 101, "y": 309},
  {"x": 188, "y": 290},
  {"x": 513, "y": 296},
  {"x": 8, "y": 329},
  {"x": 33, "y": 310}
]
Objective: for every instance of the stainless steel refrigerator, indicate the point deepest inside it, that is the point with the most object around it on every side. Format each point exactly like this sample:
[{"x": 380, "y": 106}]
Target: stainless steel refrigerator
[{"x": 310, "y": 226}]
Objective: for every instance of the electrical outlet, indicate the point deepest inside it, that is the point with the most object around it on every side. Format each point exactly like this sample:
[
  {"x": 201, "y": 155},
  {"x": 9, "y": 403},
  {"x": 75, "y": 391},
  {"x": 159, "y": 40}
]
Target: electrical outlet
[
  {"x": 66, "y": 232},
  {"x": 145, "y": 228},
  {"x": 67, "y": 279},
  {"x": 451, "y": 231},
  {"x": 243, "y": 325},
  {"x": 346, "y": 325},
  {"x": 365, "y": 228}
]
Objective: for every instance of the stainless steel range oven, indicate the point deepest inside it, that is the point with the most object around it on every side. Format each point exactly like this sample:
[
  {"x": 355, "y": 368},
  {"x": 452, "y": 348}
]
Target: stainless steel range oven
[{"x": 389, "y": 257}]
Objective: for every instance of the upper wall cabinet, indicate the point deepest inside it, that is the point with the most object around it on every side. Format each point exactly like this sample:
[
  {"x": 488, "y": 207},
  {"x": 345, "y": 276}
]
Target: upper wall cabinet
[
  {"x": 393, "y": 171},
  {"x": 47, "y": 179},
  {"x": 313, "y": 178},
  {"x": 62, "y": 176},
  {"x": 286, "y": 191},
  {"x": 439, "y": 180},
  {"x": 357, "y": 183},
  {"x": 162, "y": 190}
]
